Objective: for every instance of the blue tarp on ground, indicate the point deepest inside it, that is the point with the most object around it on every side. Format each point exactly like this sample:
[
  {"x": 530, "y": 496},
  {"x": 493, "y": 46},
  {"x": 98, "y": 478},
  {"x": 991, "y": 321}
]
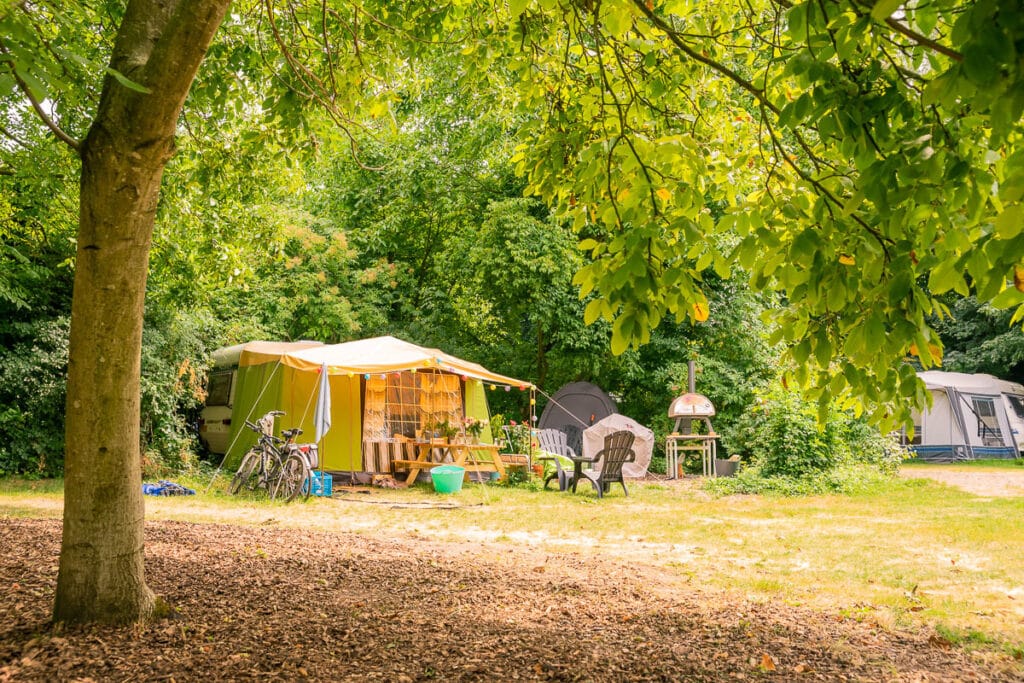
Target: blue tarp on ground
[{"x": 166, "y": 488}]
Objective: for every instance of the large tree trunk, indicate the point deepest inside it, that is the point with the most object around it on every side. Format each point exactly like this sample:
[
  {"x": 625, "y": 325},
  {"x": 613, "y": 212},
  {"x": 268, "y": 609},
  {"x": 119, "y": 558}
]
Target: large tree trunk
[{"x": 160, "y": 45}]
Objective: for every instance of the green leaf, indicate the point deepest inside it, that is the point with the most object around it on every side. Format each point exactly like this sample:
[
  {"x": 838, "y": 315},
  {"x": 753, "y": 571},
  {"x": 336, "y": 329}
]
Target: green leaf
[
  {"x": 883, "y": 9},
  {"x": 945, "y": 276},
  {"x": 622, "y": 333},
  {"x": 1008, "y": 298},
  {"x": 1010, "y": 222},
  {"x": 127, "y": 82}
]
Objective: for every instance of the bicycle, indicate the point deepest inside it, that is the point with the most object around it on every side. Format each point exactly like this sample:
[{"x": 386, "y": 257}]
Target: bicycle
[
  {"x": 278, "y": 465},
  {"x": 297, "y": 471}
]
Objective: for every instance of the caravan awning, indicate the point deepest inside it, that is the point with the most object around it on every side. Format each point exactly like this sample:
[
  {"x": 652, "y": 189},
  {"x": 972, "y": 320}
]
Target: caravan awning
[
  {"x": 969, "y": 384},
  {"x": 260, "y": 352},
  {"x": 388, "y": 354}
]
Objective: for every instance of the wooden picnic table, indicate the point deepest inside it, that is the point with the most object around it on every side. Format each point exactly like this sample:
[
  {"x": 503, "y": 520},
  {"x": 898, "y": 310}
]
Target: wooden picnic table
[{"x": 465, "y": 455}]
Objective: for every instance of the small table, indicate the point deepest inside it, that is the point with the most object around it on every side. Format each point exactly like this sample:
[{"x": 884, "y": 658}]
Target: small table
[
  {"x": 577, "y": 470},
  {"x": 461, "y": 454}
]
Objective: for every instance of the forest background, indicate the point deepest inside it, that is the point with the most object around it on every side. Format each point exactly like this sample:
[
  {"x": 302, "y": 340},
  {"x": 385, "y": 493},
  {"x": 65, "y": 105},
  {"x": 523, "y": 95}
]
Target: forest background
[{"x": 408, "y": 217}]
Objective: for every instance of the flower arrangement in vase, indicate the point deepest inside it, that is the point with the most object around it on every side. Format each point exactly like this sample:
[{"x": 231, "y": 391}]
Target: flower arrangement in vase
[{"x": 474, "y": 427}]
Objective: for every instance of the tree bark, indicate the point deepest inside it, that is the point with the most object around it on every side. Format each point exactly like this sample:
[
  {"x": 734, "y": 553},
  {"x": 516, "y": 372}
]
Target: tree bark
[{"x": 160, "y": 45}]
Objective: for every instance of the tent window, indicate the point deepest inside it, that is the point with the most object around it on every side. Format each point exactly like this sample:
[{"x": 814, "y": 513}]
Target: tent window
[
  {"x": 219, "y": 388},
  {"x": 403, "y": 412},
  {"x": 988, "y": 423},
  {"x": 406, "y": 403},
  {"x": 1017, "y": 402}
]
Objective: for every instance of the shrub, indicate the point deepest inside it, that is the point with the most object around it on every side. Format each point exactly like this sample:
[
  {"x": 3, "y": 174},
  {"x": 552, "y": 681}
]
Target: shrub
[
  {"x": 782, "y": 435},
  {"x": 845, "y": 479},
  {"x": 174, "y": 347},
  {"x": 789, "y": 452},
  {"x": 32, "y": 394}
]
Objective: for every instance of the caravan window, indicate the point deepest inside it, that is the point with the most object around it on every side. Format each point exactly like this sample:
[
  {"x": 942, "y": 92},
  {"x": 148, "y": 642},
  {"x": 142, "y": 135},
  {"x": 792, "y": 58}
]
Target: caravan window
[
  {"x": 916, "y": 441},
  {"x": 988, "y": 423},
  {"x": 218, "y": 391},
  {"x": 1018, "y": 404}
]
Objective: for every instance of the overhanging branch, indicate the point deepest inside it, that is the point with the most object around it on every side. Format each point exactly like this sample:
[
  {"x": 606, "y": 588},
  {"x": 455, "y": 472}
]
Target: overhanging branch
[{"x": 57, "y": 131}]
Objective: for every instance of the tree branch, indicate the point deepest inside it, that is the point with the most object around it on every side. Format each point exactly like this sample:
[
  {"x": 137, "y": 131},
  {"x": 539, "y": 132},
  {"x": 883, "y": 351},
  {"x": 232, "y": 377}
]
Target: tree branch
[
  {"x": 673, "y": 35},
  {"x": 11, "y": 136},
  {"x": 923, "y": 40},
  {"x": 57, "y": 131}
]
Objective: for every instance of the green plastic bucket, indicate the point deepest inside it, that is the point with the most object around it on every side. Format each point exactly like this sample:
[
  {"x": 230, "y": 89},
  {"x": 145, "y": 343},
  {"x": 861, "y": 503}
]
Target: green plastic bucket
[{"x": 448, "y": 478}]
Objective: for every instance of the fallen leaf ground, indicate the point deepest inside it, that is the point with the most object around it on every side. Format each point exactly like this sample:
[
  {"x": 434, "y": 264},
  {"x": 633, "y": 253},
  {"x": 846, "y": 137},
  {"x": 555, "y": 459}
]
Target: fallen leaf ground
[{"x": 286, "y": 604}]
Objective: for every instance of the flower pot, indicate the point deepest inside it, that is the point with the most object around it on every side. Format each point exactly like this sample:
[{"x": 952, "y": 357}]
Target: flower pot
[{"x": 726, "y": 468}]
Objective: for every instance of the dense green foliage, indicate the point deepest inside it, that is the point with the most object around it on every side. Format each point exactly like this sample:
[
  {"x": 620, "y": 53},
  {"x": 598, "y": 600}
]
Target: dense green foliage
[
  {"x": 979, "y": 338},
  {"x": 32, "y": 371},
  {"x": 859, "y": 158},
  {"x": 851, "y": 169}
]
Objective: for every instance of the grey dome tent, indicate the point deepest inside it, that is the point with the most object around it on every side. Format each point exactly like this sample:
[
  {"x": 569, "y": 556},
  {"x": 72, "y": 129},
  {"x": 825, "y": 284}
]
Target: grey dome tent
[{"x": 575, "y": 407}]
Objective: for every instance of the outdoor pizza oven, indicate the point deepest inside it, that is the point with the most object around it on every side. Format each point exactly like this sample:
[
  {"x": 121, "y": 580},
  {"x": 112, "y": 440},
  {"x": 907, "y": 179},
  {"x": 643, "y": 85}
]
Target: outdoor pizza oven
[
  {"x": 691, "y": 406},
  {"x": 687, "y": 437}
]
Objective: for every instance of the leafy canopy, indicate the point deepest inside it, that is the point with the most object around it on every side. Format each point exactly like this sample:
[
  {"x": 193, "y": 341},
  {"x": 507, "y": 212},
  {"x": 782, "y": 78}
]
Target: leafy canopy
[{"x": 859, "y": 158}]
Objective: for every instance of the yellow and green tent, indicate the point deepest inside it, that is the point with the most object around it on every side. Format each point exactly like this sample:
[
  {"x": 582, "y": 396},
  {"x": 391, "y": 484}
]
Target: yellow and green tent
[{"x": 379, "y": 388}]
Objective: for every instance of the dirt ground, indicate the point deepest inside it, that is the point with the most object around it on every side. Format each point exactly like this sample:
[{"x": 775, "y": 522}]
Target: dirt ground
[
  {"x": 998, "y": 483},
  {"x": 284, "y": 604}
]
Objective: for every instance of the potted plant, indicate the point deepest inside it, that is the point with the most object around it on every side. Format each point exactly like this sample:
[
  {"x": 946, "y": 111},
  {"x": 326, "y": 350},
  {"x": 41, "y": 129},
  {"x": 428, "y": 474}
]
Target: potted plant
[
  {"x": 446, "y": 429},
  {"x": 474, "y": 427}
]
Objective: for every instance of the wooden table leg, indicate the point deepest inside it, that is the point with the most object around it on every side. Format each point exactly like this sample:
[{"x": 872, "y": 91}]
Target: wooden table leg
[{"x": 422, "y": 455}]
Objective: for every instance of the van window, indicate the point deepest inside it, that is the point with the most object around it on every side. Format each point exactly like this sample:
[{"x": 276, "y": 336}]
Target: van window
[{"x": 219, "y": 388}]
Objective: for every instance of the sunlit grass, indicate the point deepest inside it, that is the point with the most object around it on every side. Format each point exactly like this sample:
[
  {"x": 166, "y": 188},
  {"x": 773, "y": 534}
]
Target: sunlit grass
[
  {"x": 1016, "y": 463},
  {"x": 909, "y": 552}
]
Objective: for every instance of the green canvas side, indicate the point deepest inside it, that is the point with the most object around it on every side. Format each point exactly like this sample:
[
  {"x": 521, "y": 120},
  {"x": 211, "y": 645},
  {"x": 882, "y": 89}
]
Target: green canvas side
[
  {"x": 258, "y": 391},
  {"x": 476, "y": 406},
  {"x": 341, "y": 449}
]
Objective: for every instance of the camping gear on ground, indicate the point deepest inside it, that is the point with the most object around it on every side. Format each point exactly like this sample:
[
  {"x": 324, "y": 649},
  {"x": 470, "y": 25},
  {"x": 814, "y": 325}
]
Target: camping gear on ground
[
  {"x": 320, "y": 484},
  {"x": 166, "y": 488},
  {"x": 607, "y": 464},
  {"x": 972, "y": 417},
  {"x": 689, "y": 409},
  {"x": 573, "y": 408},
  {"x": 557, "y": 455},
  {"x": 380, "y": 389},
  {"x": 447, "y": 478},
  {"x": 593, "y": 441}
]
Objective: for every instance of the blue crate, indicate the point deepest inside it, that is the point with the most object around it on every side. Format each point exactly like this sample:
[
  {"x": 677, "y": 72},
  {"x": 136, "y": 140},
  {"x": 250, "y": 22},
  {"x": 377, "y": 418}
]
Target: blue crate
[{"x": 322, "y": 483}]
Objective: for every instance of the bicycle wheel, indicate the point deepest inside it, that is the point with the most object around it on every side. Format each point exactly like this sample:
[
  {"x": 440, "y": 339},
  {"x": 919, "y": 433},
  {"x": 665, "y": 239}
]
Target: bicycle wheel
[
  {"x": 272, "y": 472},
  {"x": 294, "y": 474},
  {"x": 250, "y": 461}
]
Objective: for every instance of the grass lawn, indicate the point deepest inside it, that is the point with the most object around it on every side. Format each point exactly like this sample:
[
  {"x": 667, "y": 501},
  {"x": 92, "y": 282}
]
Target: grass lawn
[{"x": 910, "y": 553}]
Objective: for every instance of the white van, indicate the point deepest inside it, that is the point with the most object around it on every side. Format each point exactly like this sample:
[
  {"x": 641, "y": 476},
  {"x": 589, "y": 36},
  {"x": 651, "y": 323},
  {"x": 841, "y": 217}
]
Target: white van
[{"x": 215, "y": 418}]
